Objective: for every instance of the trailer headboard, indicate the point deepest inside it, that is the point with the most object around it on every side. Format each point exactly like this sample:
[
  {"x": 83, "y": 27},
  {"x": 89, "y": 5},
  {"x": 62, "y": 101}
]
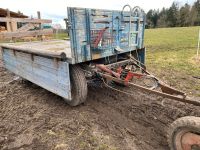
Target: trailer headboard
[{"x": 96, "y": 34}]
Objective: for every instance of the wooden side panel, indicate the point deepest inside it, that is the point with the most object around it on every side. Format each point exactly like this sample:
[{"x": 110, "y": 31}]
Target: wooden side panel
[
  {"x": 98, "y": 33},
  {"x": 48, "y": 73}
]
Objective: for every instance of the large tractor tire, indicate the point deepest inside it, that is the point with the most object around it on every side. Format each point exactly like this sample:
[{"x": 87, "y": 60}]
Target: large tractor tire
[
  {"x": 78, "y": 86},
  {"x": 184, "y": 134}
]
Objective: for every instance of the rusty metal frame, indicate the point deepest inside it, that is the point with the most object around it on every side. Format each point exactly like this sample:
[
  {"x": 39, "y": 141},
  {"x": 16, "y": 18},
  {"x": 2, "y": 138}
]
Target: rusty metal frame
[
  {"x": 182, "y": 97},
  {"x": 188, "y": 140}
]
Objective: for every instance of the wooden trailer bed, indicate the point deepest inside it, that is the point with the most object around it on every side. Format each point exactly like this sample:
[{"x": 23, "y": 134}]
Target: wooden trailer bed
[
  {"x": 45, "y": 63},
  {"x": 95, "y": 35},
  {"x": 52, "y": 48}
]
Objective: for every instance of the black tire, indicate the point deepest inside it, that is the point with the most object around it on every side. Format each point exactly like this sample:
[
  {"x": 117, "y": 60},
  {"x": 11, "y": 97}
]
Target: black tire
[
  {"x": 180, "y": 127},
  {"x": 78, "y": 86}
]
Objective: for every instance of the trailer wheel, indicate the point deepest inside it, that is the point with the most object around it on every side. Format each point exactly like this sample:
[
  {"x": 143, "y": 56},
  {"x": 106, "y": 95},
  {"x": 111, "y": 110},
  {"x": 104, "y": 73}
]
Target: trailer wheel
[
  {"x": 78, "y": 86},
  {"x": 184, "y": 134}
]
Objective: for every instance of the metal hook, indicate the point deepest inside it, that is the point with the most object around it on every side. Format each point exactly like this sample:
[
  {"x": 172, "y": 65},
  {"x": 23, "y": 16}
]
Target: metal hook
[
  {"x": 129, "y": 37},
  {"x": 127, "y": 5},
  {"x": 137, "y": 9}
]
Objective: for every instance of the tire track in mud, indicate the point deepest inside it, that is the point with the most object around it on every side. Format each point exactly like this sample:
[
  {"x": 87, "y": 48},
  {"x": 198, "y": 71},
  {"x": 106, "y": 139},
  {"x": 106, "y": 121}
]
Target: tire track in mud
[
  {"x": 153, "y": 114},
  {"x": 131, "y": 119},
  {"x": 108, "y": 119}
]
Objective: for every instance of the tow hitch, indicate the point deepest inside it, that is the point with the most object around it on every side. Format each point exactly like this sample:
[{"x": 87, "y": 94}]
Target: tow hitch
[{"x": 132, "y": 73}]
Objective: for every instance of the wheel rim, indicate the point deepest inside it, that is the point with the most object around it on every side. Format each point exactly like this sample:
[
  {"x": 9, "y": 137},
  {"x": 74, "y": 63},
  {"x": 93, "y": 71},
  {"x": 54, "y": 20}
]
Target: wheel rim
[{"x": 186, "y": 140}]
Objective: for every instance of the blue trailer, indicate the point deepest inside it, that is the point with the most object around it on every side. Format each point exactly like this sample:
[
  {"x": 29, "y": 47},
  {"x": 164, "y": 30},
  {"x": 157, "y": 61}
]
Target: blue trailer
[{"x": 104, "y": 45}]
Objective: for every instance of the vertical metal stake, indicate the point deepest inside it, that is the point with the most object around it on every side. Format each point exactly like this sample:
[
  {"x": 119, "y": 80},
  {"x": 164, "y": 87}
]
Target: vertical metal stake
[{"x": 198, "y": 46}]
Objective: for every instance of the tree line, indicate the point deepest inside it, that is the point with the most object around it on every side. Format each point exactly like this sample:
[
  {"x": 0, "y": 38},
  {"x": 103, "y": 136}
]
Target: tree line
[{"x": 175, "y": 16}]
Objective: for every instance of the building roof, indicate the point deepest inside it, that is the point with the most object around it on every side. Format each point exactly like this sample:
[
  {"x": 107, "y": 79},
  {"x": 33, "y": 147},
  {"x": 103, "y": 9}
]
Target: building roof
[{"x": 3, "y": 13}]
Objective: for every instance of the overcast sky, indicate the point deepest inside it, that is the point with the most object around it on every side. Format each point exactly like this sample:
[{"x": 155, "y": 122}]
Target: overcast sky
[{"x": 57, "y": 9}]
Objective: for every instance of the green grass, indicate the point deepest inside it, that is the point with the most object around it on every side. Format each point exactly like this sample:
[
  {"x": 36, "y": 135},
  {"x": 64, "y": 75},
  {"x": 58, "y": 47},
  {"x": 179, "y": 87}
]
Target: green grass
[
  {"x": 60, "y": 36},
  {"x": 171, "y": 56}
]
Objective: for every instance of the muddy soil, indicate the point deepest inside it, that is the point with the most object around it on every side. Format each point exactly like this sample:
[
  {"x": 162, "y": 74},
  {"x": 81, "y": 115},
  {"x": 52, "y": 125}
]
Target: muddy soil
[{"x": 33, "y": 118}]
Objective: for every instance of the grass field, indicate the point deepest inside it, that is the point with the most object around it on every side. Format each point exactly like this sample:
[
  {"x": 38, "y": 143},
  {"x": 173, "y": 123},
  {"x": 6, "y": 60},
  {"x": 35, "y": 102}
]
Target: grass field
[
  {"x": 171, "y": 56},
  {"x": 60, "y": 36}
]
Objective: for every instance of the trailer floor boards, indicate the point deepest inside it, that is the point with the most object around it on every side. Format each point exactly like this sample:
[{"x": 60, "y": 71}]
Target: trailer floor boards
[
  {"x": 45, "y": 46},
  {"x": 33, "y": 118}
]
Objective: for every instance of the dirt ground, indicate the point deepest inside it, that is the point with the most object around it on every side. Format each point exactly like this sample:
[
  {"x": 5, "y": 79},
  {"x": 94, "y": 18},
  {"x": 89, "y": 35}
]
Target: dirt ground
[{"x": 33, "y": 118}]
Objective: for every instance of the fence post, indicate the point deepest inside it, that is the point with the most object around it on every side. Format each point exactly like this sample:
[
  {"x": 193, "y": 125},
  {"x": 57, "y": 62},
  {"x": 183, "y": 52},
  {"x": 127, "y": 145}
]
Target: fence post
[
  {"x": 39, "y": 17},
  {"x": 8, "y": 23}
]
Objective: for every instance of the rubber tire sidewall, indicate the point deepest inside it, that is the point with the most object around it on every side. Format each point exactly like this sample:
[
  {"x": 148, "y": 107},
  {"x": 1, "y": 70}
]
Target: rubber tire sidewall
[{"x": 79, "y": 88}]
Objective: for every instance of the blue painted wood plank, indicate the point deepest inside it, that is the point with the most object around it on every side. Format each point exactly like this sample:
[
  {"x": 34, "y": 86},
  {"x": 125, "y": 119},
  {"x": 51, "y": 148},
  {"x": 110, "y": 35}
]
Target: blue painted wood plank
[
  {"x": 54, "y": 78},
  {"x": 85, "y": 20}
]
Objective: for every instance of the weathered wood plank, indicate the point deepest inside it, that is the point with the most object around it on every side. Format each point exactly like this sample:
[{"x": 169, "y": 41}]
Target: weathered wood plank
[
  {"x": 46, "y": 64},
  {"x": 83, "y": 21},
  {"x": 50, "y": 48},
  {"x": 54, "y": 54},
  {"x": 8, "y": 35},
  {"x": 24, "y": 20},
  {"x": 57, "y": 82}
]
